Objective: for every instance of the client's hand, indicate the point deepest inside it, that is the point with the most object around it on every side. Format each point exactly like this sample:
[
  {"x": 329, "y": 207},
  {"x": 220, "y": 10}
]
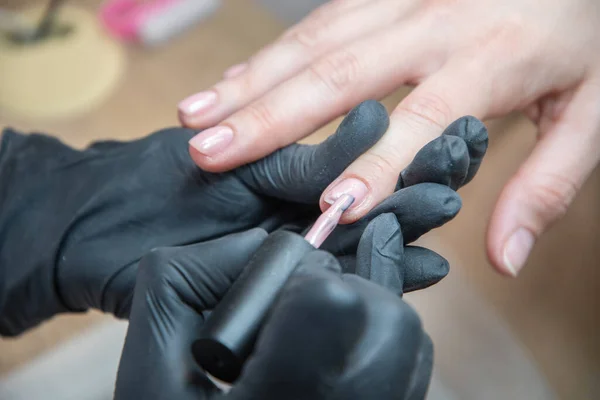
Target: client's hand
[{"x": 328, "y": 336}]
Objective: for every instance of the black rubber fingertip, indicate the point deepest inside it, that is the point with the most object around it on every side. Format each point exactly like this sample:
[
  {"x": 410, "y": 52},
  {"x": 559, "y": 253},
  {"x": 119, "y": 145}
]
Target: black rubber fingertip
[
  {"x": 475, "y": 134},
  {"x": 380, "y": 252},
  {"x": 444, "y": 160},
  {"x": 452, "y": 205},
  {"x": 456, "y": 147},
  {"x": 438, "y": 199},
  {"x": 369, "y": 113},
  {"x": 362, "y": 128},
  {"x": 471, "y": 129},
  {"x": 423, "y": 268},
  {"x": 420, "y": 208}
]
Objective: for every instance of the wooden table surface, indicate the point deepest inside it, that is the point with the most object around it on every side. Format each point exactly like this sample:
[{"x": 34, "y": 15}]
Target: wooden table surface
[{"x": 552, "y": 306}]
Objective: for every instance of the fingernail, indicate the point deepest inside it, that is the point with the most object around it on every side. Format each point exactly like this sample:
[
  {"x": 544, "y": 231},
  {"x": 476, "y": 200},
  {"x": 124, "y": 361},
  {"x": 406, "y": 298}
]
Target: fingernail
[
  {"x": 235, "y": 70},
  {"x": 197, "y": 103},
  {"x": 517, "y": 249},
  {"x": 212, "y": 141},
  {"x": 352, "y": 186}
]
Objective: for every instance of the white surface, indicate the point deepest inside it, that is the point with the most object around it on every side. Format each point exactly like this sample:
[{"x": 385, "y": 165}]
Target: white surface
[{"x": 83, "y": 368}]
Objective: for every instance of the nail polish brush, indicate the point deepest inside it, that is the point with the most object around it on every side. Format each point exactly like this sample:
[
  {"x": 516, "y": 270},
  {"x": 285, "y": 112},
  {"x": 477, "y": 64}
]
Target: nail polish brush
[{"x": 230, "y": 331}]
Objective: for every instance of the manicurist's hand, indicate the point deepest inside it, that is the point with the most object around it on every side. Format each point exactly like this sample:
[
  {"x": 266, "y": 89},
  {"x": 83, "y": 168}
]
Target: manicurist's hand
[
  {"x": 329, "y": 336},
  {"x": 479, "y": 57},
  {"x": 74, "y": 224}
]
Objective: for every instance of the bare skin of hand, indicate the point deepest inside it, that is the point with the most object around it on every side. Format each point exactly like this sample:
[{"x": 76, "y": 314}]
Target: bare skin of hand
[{"x": 484, "y": 58}]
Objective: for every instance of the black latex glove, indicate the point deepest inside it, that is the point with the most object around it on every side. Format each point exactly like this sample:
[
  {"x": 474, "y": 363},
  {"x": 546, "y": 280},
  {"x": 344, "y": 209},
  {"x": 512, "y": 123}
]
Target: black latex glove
[
  {"x": 328, "y": 336},
  {"x": 74, "y": 224},
  {"x": 424, "y": 199}
]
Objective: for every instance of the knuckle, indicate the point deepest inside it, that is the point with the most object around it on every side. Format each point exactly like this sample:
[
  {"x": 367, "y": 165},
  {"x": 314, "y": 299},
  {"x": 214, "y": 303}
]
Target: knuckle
[
  {"x": 334, "y": 294},
  {"x": 308, "y": 291},
  {"x": 438, "y": 3},
  {"x": 310, "y": 35},
  {"x": 306, "y": 38},
  {"x": 311, "y": 32},
  {"x": 439, "y": 10},
  {"x": 261, "y": 117},
  {"x": 405, "y": 317},
  {"x": 337, "y": 71},
  {"x": 397, "y": 314},
  {"x": 552, "y": 194},
  {"x": 426, "y": 110},
  {"x": 380, "y": 165},
  {"x": 508, "y": 36},
  {"x": 327, "y": 9}
]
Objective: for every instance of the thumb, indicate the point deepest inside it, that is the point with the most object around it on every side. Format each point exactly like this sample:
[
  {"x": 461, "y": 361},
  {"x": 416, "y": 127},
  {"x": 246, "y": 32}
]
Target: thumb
[
  {"x": 546, "y": 184},
  {"x": 174, "y": 287}
]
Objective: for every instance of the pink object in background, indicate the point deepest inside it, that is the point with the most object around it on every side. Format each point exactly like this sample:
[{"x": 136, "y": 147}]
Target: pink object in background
[{"x": 153, "y": 22}]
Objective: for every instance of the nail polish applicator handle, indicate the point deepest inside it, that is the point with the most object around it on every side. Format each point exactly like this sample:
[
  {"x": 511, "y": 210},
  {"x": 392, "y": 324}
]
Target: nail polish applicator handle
[{"x": 228, "y": 336}]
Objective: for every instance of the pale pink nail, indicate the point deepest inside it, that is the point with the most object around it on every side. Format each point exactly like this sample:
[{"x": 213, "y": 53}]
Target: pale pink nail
[
  {"x": 517, "y": 249},
  {"x": 352, "y": 186},
  {"x": 235, "y": 70},
  {"x": 212, "y": 141},
  {"x": 197, "y": 103}
]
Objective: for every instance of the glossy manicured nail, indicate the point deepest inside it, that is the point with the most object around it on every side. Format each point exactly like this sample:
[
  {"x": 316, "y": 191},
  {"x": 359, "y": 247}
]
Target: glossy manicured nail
[
  {"x": 212, "y": 141},
  {"x": 517, "y": 249},
  {"x": 235, "y": 70},
  {"x": 197, "y": 103},
  {"x": 352, "y": 186}
]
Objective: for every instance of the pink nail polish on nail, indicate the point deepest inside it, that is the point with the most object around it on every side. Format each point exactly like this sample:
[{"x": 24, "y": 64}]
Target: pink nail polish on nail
[
  {"x": 352, "y": 186},
  {"x": 212, "y": 141},
  {"x": 197, "y": 103},
  {"x": 234, "y": 70},
  {"x": 517, "y": 249}
]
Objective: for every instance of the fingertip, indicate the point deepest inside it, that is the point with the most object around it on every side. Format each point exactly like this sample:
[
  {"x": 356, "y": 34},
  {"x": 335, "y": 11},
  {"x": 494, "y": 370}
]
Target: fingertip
[
  {"x": 364, "y": 125},
  {"x": 502, "y": 224},
  {"x": 423, "y": 268},
  {"x": 446, "y": 200},
  {"x": 470, "y": 128},
  {"x": 199, "y": 158},
  {"x": 444, "y": 160},
  {"x": 374, "y": 111},
  {"x": 206, "y": 163},
  {"x": 356, "y": 211},
  {"x": 375, "y": 186},
  {"x": 188, "y": 122},
  {"x": 494, "y": 255},
  {"x": 191, "y": 109}
]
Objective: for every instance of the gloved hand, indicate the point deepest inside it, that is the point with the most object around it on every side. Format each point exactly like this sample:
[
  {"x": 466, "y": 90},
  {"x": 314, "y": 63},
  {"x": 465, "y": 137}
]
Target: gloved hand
[
  {"x": 424, "y": 199},
  {"x": 328, "y": 336},
  {"x": 74, "y": 224}
]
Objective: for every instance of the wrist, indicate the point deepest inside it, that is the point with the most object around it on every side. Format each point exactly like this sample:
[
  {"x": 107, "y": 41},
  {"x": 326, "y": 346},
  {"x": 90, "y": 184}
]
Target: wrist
[{"x": 30, "y": 232}]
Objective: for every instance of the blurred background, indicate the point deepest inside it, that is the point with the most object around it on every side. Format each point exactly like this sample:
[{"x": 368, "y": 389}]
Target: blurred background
[{"x": 536, "y": 337}]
